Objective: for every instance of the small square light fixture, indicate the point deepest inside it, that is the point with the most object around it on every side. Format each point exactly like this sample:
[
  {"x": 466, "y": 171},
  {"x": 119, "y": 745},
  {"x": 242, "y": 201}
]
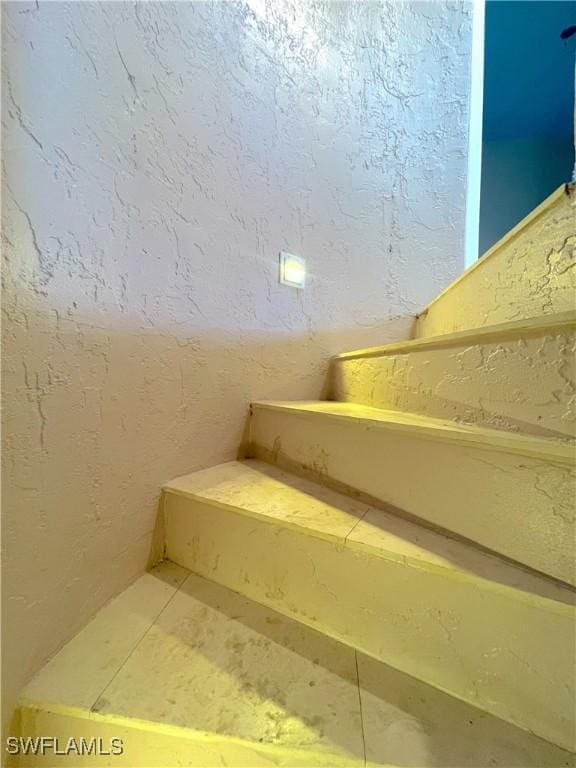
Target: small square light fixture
[{"x": 292, "y": 270}]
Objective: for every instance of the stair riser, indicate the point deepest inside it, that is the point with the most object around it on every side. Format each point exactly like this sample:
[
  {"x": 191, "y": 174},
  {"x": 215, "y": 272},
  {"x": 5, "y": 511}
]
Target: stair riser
[
  {"x": 526, "y": 275},
  {"x": 518, "y": 506},
  {"x": 483, "y": 647},
  {"x": 522, "y": 384}
]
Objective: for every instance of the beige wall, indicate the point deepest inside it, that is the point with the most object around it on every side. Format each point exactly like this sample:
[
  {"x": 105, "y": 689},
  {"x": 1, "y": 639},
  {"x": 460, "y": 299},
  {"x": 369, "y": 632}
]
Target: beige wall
[{"x": 157, "y": 157}]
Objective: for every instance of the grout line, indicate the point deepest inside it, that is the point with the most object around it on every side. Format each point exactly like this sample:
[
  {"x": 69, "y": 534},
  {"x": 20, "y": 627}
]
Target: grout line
[
  {"x": 356, "y": 524},
  {"x": 360, "y": 705},
  {"x": 137, "y": 644}
]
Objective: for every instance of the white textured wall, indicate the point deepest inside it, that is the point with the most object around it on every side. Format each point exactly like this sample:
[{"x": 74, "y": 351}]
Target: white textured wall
[{"x": 156, "y": 159}]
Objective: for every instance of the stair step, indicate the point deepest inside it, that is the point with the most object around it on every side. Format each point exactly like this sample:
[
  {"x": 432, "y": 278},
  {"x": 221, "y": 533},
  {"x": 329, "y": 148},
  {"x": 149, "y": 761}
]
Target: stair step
[
  {"x": 525, "y": 274},
  {"x": 510, "y": 493},
  {"x": 438, "y": 609},
  {"x": 215, "y": 679},
  {"x": 517, "y": 376}
]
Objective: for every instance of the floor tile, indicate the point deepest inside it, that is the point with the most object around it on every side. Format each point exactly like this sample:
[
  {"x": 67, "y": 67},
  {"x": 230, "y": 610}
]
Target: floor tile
[
  {"x": 81, "y": 669},
  {"x": 408, "y": 723},
  {"x": 217, "y": 662}
]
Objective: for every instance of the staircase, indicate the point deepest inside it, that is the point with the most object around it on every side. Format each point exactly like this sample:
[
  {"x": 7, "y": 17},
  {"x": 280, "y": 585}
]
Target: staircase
[{"x": 385, "y": 578}]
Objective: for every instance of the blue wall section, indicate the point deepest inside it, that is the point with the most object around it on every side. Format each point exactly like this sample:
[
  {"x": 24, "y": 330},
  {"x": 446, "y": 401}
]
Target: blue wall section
[
  {"x": 528, "y": 70},
  {"x": 528, "y": 109}
]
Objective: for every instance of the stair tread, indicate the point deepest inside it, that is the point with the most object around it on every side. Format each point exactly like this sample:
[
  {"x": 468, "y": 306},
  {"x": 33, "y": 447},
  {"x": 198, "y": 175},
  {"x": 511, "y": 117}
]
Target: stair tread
[
  {"x": 261, "y": 490},
  {"x": 531, "y": 326},
  {"x": 429, "y": 427},
  {"x": 219, "y": 665}
]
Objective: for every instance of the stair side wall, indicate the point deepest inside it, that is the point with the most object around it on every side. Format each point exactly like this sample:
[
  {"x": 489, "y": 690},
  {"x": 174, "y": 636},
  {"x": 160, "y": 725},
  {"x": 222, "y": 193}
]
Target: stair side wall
[
  {"x": 528, "y": 273},
  {"x": 525, "y": 384}
]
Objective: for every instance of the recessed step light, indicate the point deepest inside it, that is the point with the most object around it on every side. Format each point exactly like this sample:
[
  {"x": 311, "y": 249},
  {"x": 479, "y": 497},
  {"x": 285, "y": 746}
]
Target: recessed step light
[{"x": 292, "y": 270}]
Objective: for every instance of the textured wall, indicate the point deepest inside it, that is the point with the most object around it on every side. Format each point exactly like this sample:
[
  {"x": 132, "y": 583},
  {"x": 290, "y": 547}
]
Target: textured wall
[
  {"x": 156, "y": 159},
  {"x": 530, "y": 274},
  {"x": 523, "y": 382}
]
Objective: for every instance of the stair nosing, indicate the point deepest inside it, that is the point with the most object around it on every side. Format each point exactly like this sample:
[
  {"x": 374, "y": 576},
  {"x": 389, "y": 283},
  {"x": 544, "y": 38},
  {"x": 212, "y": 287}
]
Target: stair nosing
[
  {"x": 480, "y": 438},
  {"x": 511, "y": 329},
  {"x": 455, "y": 572}
]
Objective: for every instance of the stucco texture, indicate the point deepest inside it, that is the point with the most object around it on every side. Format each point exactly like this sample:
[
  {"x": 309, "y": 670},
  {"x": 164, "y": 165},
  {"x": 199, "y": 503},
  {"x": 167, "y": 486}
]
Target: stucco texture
[
  {"x": 530, "y": 273},
  {"x": 523, "y": 383},
  {"x": 157, "y": 157}
]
